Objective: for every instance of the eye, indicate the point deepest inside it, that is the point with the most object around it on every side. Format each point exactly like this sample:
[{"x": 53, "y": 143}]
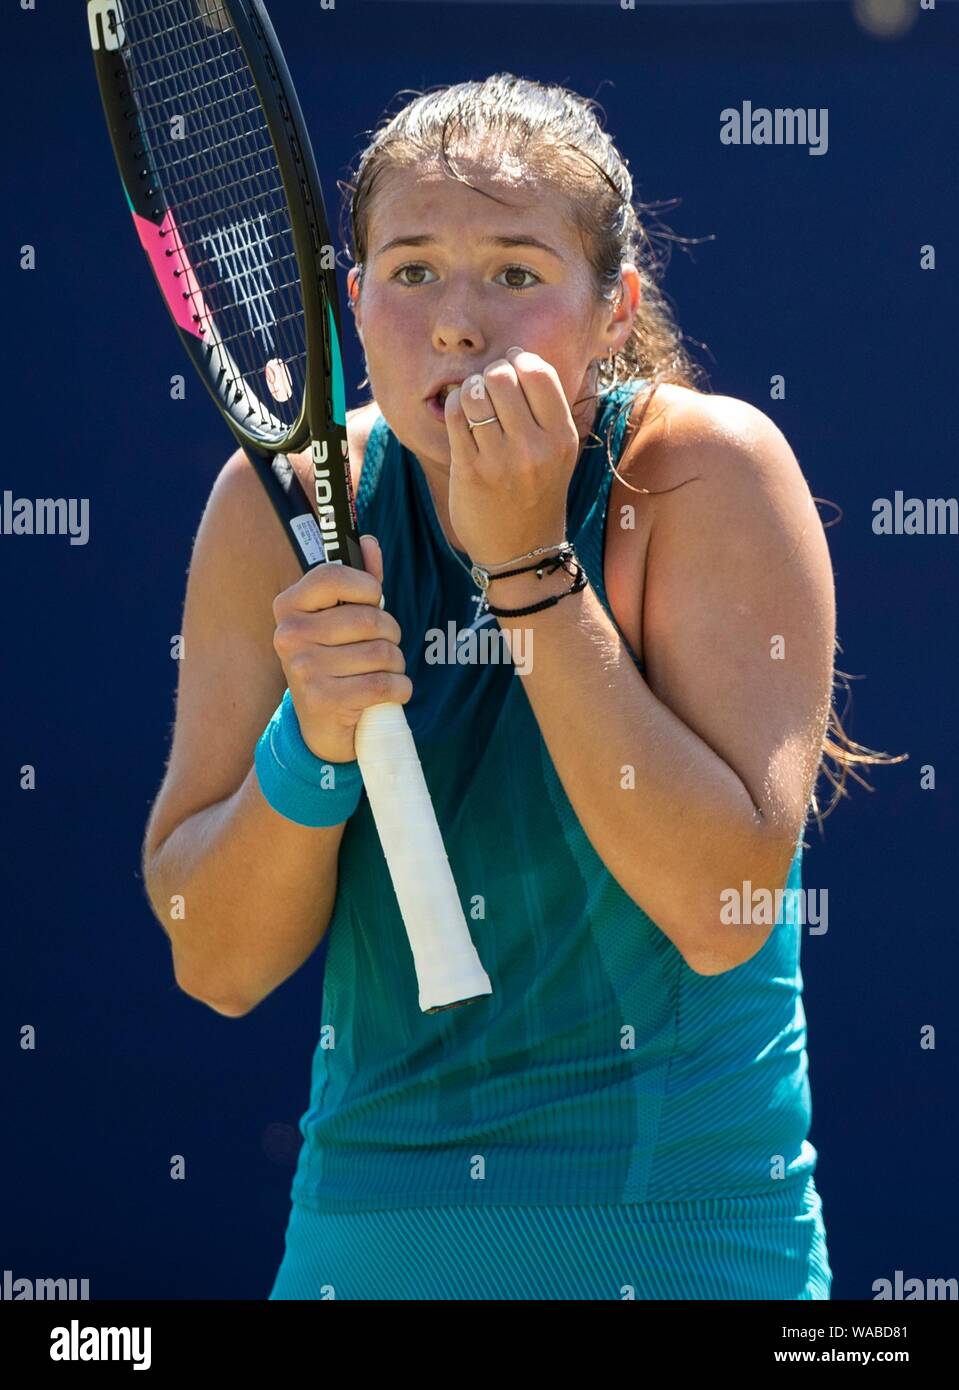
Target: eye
[
  {"x": 414, "y": 266},
  {"x": 418, "y": 268},
  {"x": 521, "y": 269}
]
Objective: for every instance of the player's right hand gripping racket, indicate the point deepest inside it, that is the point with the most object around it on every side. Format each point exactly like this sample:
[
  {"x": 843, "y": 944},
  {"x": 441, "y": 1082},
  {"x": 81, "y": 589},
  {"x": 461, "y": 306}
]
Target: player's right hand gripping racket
[{"x": 220, "y": 178}]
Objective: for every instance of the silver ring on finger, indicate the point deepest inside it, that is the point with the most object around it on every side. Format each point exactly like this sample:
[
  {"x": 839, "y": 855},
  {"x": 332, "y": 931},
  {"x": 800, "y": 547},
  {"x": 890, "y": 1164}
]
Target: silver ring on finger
[{"x": 475, "y": 424}]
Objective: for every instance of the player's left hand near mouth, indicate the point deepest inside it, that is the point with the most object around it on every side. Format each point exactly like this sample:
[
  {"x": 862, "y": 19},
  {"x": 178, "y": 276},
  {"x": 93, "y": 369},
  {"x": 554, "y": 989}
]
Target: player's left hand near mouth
[{"x": 508, "y": 480}]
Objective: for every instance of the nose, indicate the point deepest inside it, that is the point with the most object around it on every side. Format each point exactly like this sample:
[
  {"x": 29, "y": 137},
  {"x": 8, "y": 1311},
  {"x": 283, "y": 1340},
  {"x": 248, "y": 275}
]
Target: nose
[
  {"x": 456, "y": 328},
  {"x": 450, "y": 337}
]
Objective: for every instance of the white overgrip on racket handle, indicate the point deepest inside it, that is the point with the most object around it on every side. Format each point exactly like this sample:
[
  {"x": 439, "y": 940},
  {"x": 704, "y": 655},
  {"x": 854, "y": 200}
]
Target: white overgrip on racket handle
[
  {"x": 448, "y": 968},
  {"x": 445, "y": 958}
]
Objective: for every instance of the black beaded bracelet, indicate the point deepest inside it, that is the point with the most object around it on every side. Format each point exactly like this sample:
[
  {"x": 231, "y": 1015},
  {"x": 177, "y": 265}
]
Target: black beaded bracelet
[{"x": 580, "y": 580}]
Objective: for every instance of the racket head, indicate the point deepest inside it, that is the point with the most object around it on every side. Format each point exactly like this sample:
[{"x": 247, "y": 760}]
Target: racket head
[{"x": 221, "y": 182}]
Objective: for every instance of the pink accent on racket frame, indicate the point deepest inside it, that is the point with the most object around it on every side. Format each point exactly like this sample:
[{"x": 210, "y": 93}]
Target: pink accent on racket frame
[{"x": 156, "y": 241}]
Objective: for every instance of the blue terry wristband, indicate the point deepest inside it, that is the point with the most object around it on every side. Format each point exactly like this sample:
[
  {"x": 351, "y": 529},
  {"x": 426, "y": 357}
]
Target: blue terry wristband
[{"x": 298, "y": 784}]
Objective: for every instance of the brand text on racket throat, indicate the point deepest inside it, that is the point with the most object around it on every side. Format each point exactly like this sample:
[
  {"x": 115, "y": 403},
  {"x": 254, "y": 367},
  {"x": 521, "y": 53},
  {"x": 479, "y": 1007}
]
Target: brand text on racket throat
[
  {"x": 484, "y": 644},
  {"x": 323, "y": 491}
]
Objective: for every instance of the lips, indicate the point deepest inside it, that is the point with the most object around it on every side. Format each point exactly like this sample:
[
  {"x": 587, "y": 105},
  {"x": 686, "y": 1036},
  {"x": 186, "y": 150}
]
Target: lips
[{"x": 443, "y": 391}]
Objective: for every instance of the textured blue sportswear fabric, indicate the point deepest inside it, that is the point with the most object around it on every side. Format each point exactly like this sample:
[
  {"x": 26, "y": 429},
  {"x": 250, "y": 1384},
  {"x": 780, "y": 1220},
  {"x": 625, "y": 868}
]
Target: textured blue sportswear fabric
[{"x": 607, "y": 1119}]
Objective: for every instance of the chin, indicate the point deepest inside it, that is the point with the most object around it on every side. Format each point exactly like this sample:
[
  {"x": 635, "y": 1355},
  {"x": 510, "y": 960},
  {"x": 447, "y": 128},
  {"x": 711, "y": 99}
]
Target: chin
[{"x": 424, "y": 442}]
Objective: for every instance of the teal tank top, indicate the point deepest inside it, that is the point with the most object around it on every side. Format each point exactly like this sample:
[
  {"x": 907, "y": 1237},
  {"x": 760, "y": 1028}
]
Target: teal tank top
[{"x": 602, "y": 1069}]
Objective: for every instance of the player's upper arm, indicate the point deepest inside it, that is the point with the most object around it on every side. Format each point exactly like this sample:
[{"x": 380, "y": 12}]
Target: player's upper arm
[
  {"x": 739, "y": 606},
  {"x": 229, "y": 677}
]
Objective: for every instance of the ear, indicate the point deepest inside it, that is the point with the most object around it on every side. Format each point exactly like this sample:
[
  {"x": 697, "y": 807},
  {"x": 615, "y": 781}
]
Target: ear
[
  {"x": 632, "y": 284},
  {"x": 623, "y": 307},
  {"x": 353, "y": 297}
]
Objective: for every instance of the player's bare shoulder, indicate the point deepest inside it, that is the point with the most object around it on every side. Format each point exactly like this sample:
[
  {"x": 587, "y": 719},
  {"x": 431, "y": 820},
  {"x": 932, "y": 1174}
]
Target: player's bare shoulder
[{"x": 689, "y": 434}]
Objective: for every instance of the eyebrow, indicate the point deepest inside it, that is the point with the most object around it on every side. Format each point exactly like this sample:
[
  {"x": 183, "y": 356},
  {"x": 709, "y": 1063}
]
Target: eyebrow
[{"x": 425, "y": 240}]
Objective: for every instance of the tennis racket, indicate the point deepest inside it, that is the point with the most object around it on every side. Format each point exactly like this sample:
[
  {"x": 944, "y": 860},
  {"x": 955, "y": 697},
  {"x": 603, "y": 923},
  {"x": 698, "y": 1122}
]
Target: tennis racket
[{"x": 220, "y": 178}]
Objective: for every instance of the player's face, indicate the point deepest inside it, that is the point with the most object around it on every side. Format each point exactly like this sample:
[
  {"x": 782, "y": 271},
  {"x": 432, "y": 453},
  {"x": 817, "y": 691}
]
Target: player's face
[{"x": 448, "y": 307}]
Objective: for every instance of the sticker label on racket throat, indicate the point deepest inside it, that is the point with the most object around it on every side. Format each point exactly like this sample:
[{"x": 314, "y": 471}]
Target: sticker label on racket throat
[{"x": 309, "y": 538}]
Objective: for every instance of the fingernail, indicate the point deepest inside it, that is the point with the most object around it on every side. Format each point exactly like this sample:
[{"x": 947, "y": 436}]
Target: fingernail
[
  {"x": 367, "y": 537},
  {"x": 514, "y": 349}
]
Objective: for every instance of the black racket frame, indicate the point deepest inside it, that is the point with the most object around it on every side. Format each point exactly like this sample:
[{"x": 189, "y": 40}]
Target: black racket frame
[{"x": 315, "y": 426}]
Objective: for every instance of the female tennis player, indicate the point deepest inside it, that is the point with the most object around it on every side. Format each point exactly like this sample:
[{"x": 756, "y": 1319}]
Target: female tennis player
[{"x": 631, "y": 747}]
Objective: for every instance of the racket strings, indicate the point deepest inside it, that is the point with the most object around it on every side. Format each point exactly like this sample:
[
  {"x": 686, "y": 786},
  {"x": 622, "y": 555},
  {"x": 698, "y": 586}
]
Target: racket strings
[
  {"x": 146, "y": 107},
  {"x": 207, "y": 139},
  {"x": 244, "y": 246},
  {"x": 236, "y": 205},
  {"x": 196, "y": 92},
  {"x": 218, "y": 175}
]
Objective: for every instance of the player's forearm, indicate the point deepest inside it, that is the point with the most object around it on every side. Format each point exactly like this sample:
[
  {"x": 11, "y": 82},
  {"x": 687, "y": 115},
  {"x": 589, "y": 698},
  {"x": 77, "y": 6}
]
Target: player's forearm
[
  {"x": 244, "y": 895},
  {"x": 669, "y": 818}
]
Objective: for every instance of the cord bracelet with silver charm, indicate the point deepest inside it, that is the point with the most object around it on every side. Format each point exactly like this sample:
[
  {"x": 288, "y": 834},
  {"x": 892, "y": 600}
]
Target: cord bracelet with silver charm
[
  {"x": 482, "y": 575},
  {"x": 567, "y": 560}
]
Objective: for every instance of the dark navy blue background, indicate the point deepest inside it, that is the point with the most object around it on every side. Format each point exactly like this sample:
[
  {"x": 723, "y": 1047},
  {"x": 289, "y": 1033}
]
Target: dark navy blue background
[{"x": 812, "y": 270}]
